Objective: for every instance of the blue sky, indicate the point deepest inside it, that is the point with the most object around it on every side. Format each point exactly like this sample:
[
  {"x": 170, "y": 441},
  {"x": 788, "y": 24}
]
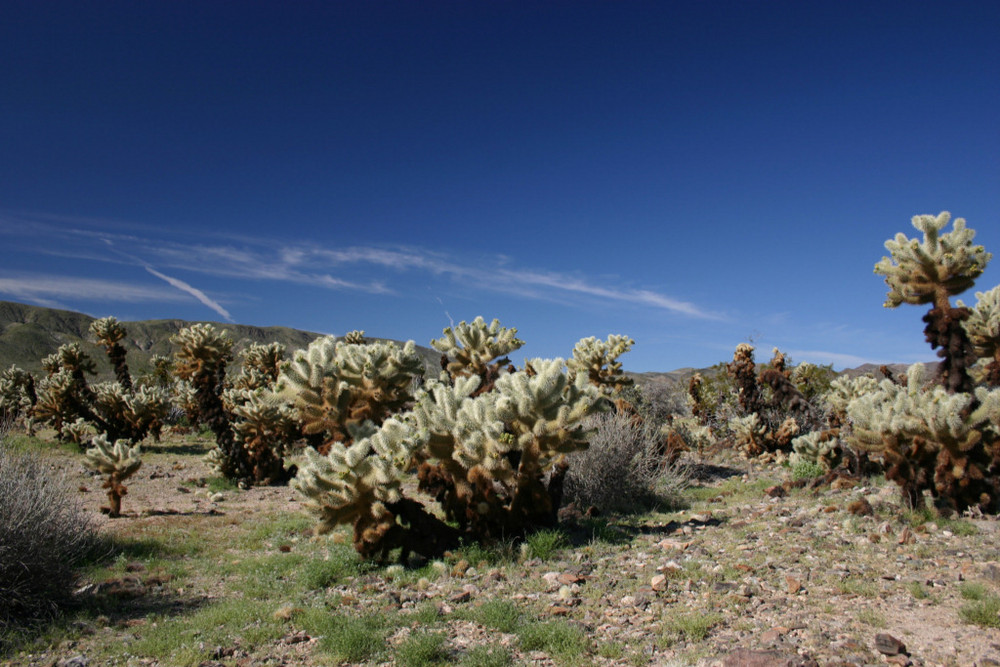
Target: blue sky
[{"x": 692, "y": 174}]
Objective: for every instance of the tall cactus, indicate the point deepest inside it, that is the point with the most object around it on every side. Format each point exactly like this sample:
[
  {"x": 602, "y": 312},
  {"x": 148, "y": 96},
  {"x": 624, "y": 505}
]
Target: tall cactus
[
  {"x": 931, "y": 272},
  {"x": 201, "y": 358},
  {"x": 983, "y": 330},
  {"x": 109, "y": 331},
  {"x": 944, "y": 438}
]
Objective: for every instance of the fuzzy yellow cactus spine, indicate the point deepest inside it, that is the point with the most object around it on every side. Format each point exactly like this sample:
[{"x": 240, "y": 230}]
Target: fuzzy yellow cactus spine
[
  {"x": 118, "y": 462},
  {"x": 477, "y": 349},
  {"x": 598, "y": 361},
  {"x": 931, "y": 272},
  {"x": 201, "y": 358},
  {"x": 334, "y": 385},
  {"x": 983, "y": 329},
  {"x": 18, "y": 397},
  {"x": 930, "y": 439},
  {"x": 109, "y": 332}
]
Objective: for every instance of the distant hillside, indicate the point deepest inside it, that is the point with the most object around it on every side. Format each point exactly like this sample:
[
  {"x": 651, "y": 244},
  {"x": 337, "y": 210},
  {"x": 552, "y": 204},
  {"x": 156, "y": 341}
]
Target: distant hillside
[{"x": 29, "y": 333}]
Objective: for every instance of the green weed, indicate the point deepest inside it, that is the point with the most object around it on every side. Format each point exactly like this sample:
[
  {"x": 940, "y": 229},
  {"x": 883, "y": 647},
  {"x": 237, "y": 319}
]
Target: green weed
[
  {"x": 563, "y": 641},
  {"x": 984, "y": 612},
  {"x": 488, "y": 656},
  {"x": 544, "y": 544},
  {"x": 422, "y": 648}
]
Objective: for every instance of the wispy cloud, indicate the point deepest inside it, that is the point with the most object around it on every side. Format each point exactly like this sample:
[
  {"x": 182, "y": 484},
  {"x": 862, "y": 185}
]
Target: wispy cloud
[
  {"x": 42, "y": 289},
  {"x": 193, "y": 291},
  {"x": 370, "y": 269}
]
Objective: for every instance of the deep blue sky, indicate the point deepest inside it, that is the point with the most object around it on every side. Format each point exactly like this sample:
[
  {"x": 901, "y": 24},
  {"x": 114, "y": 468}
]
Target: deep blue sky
[{"x": 692, "y": 174}]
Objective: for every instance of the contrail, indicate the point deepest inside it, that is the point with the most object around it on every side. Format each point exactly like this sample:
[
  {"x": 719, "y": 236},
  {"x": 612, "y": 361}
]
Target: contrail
[
  {"x": 179, "y": 284},
  {"x": 193, "y": 291}
]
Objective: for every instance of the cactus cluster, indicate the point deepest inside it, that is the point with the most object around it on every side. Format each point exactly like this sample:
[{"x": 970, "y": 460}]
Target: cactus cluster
[
  {"x": 941, "y": 436},
  {"x": 493, "y": 458}
]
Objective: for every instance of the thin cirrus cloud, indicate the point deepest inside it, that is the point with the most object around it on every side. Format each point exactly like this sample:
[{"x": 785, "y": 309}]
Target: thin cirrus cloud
[
  {"x": 373, "y": 267},
  {"x": 47, "y": 289}
]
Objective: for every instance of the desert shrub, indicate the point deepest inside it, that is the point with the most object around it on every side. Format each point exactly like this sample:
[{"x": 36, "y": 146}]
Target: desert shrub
[
  {"x": 624, "y": 469},
  {"x": 44, "y": 535}
]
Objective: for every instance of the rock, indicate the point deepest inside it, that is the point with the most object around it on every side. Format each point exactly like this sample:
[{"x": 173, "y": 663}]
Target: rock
[
  {"x": 906, "y": 537},
  {"x": 459, "y": 568},
  {"x": 886, "y": 644},
  {"x": 217, "y": 497},
  {"x": 776, "y": 491},
  {"x": 570, "y": 578},
  {"x": 75, "y": 661},
  {"x": 658, "y": 583}
]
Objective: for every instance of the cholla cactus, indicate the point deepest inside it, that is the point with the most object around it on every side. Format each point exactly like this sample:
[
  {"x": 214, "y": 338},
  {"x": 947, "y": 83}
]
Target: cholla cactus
[
  {"x": 598, "y": 361},
  {"x": 931, "y": 440},
  {"x": 818, "y": 447},
  {"x": 17, "y": 396},
  {"x": 162, "y": 368},
  {"x": 477, "y": 349},
  {"x": 201, "y": 359},
  {"x": 79, "y": 432},
  {"x": 265, "y": 427},
  {"x": 931, "y": 272},
  {"x": 356, "y": 337},
  {"x": 335, "y": 385},
  {"x": 743, "y": 370},
  {"x": 261, "y": 366},
  {"x": 493, "y": 459},
  {"x": 750, "y": 433},
  {"x": 59, "y": 400},
  {"x": 118, "y": 462},
  {"x": 983, "y": 330},
  {"x": 109, "y": 332}
]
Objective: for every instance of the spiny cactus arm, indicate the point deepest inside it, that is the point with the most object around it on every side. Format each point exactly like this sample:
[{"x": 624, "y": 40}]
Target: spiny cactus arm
[
  {"x": 598, "y": 361},
  {"x": 356, "y": 337},
  {"x": 360, "y": 479},
  {"x": 201, "y": 348},
  {"x": 932, "y": 270},
  {"x": 107, "y": 330},
  {"x": 120, "y": 458},
  {"x": 546, "y": 409},
  {"x": 983, "y": 330},
  {"x": 471, "y": 347}
]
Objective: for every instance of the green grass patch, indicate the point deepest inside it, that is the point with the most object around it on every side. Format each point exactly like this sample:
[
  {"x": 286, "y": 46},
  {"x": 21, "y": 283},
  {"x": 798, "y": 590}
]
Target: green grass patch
[
  {"x": 488, "y": 656},
  {"x": 178, "y": 640},
  {"x": 917, "y": 590},
  {"x": 545, "y": 544},
  {"x": 972, "y": 590},
  {"x": 346, "y": 638},
  {"x": 422, "y": 648},
  {"x": 563, "y": 641},
  {"x": 692, "y": 627},
  {"x": 501, "y": 615},
  {"x": 341, "y": 563},
  {"x": 872, "y": 618},
  {"x": 984, "y": 612}
]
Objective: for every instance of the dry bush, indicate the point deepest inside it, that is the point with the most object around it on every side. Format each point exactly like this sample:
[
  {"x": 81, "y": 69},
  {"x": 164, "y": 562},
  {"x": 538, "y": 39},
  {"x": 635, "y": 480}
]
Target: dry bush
[
  {"x": 44, "y": 535},
  {"x": 624, "y": 469}
]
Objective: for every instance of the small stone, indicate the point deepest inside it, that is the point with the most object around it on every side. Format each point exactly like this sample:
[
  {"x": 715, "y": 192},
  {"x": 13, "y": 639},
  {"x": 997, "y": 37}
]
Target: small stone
[
  {"x": 906, "y": 537},
  {"x": 570, "y": 578},
  {"x": 793, "y": 585},
  {"x": 217, "y": 497},
  {"x": 747, "y": 658},
  {"x": 459, "y": 568},
  {"x": 460, "y": 597},
  {"x": 659, "y": 583},
  {"x": 886, "y": 644},
  {"x": 776, "y": 491},
  {"x": 559, "y": 610}
]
